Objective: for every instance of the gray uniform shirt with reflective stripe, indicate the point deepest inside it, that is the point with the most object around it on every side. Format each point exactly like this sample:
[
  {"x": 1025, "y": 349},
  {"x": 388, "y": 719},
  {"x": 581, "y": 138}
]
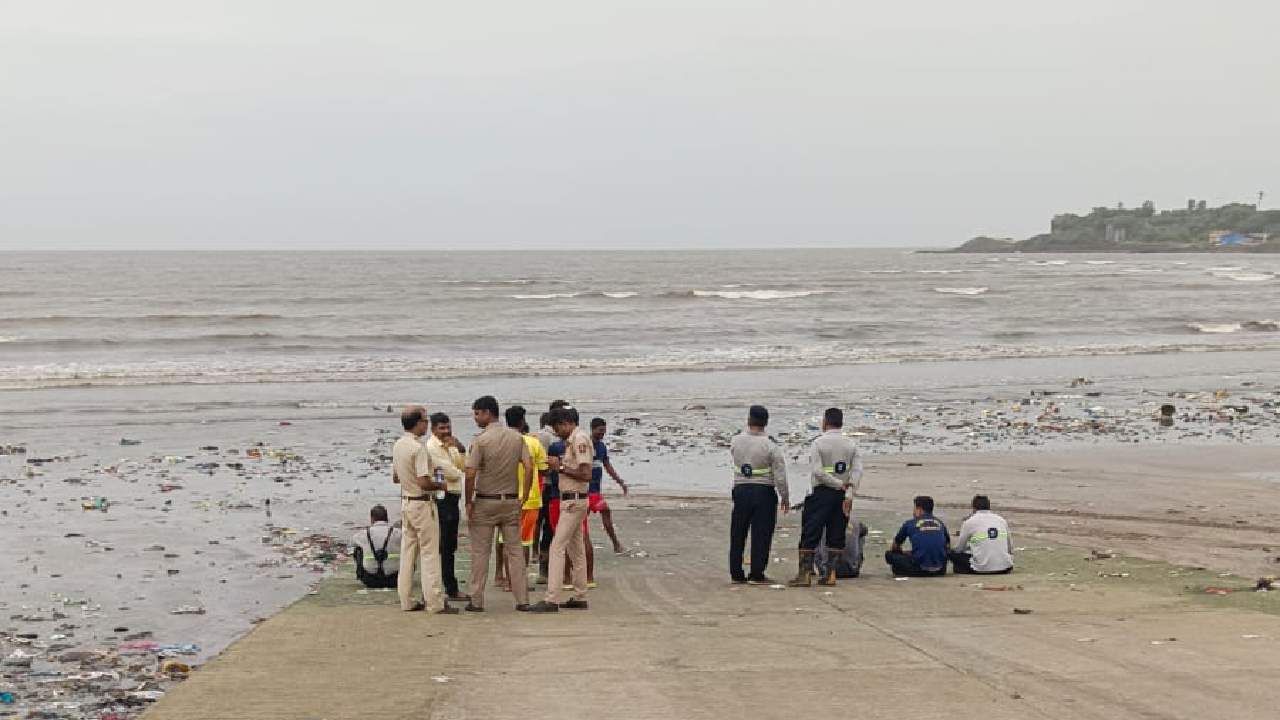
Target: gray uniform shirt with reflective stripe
[
  {"x": 754, "y": 452},
  {"x": 836, "y": 462}
]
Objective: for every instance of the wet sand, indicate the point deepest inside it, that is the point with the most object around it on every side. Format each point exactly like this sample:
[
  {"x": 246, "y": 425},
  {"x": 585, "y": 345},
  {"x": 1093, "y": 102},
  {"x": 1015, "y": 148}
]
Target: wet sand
[{"x": 226, "y": 516}]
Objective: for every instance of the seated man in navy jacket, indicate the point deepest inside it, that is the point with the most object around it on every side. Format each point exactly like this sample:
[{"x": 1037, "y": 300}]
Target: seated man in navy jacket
[{"x": 929, "y": 544}]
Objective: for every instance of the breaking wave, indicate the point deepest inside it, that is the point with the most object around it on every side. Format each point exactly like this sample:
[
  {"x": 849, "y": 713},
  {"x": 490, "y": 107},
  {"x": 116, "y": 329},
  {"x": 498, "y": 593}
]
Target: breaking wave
[
  {"x": 961, "y": 290},
  {"x": 757, "y": 294},
  {"x": 222, "y": 370},
  {"x": 1227, "y": 328}
]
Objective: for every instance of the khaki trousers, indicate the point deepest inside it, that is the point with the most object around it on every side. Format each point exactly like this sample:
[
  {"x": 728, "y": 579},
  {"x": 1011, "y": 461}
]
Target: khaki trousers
[
  {"x": 488, "y": 515},
  {"x": 420, "y": 539},
  {"x": 568, "y": 542}
]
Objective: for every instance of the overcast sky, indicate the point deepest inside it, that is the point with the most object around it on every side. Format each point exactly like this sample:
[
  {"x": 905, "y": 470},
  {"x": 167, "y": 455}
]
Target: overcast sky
[{"x": 282, "y": 124}]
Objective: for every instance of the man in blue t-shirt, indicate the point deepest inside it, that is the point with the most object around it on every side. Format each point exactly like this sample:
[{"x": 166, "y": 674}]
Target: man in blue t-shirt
[
  {"x": 929, "y": 544},
  {"x": 551, "y": 510}
]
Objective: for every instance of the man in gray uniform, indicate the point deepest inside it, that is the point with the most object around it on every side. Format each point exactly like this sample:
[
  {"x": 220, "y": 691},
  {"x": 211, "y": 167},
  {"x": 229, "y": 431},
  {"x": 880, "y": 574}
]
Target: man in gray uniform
[
  {"x": 759, "y": 491},
  {"x": 837, "y": 470}
]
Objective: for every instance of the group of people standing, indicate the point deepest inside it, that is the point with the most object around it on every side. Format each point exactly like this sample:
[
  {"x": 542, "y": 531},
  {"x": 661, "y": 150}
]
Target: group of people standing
[
  {"x": 760, "y": 492},
  {"x": 532, "y": 493}
]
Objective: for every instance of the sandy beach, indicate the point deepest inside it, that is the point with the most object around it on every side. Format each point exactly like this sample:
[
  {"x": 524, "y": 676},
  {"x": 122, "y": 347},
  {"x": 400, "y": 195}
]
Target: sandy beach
[
  {"x": 1095, "y": 623},
  {"x": 118, "y": 585}
]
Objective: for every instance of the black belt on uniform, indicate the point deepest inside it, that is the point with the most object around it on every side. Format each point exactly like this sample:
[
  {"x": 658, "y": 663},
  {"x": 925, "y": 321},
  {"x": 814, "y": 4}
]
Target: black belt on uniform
[
  {"x": 575, "y": 496},
  {"x": 417, "y": 497},
  {"x": 503, "y": 496}
]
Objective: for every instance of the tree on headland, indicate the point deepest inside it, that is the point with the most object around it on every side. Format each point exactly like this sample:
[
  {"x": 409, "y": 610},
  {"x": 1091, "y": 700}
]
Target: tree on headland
[{"x": 1142, "y": 229}]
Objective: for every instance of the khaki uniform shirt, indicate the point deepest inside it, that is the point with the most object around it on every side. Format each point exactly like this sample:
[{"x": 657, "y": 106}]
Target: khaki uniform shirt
[
  {"x": 448, "y": 459},
  {"x": 757, "y": 459},
  {"x": 836, "y": 462},
  {"x": 578, "y": 449},
  {"x": 411, "y": 461},
  {"x": 496, "y": 455}
]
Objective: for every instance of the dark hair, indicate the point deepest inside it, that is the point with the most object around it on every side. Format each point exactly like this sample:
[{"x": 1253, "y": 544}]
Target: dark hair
[
  {"x": 488, "y": 402},
  {"x": 515, "y": 416},
  {"x": 833, "y": 417},
  {"x": 561, "y": 415},
  {"x": 524, "y": 427},
  {"x": 410, "y": 418},
  {"x": 758, "y": 416},
  {"x": 544, "y": 419},
  {"x": 597, "y": 422},
  {"x": 981, "y": 502},
  {"x": 925, "y": 503},
  {"x": 439, "y": 419},
  {"x": 558, "y": 404},
  {"x": 378, "y": 513}
]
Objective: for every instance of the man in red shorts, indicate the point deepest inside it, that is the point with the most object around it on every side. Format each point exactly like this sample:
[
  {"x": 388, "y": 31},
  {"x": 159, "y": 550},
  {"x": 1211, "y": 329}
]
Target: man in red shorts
[{"x": 597, "y": 503}]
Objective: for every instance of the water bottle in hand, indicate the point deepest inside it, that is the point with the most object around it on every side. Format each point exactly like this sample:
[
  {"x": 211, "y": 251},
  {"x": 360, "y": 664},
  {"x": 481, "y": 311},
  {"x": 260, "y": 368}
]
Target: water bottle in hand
[{"x": 440, "y": 481}]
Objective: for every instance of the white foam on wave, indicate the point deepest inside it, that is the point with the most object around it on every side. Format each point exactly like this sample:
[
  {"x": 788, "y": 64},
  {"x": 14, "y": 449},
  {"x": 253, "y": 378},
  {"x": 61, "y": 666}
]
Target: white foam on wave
[
  {"x": 1248, "y": 277},
  {"x": 758, "y": 294},
  {"x": 544, "y": 296},
  {"x": 940, "y": 272},
  {"x": 961, "y": 290},
  {"x": 1099, "y": 262},
  {"x": 620, "y": 295},
  {"x": 1227, "y": 328},
  {"x": 1216, "y": 329}
]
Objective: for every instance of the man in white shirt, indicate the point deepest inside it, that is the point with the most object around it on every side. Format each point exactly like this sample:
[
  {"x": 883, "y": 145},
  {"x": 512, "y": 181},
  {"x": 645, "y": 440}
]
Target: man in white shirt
[
  {"x": 985, "y": 547},
  {"x": 376, "y": 550}
]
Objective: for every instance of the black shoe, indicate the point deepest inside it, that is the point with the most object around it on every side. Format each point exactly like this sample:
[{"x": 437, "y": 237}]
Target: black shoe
[
  {"x": 760, "y": 580},
  {"x": 458, "y": 597},
  {"x": 474, "y": 608},
  {"x": 446, "y": 610},
  {"x": 417, "y": 607},
  {"x": 523, "y": 607},
  {"x": 575, "y": 605},
  {"x": 738, "y": 580},
  {"x": 544, "y": 607}
]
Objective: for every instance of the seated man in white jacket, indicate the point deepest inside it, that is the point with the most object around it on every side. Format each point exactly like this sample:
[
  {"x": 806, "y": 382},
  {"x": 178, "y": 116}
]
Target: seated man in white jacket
[{"x": 984, "y": 546}]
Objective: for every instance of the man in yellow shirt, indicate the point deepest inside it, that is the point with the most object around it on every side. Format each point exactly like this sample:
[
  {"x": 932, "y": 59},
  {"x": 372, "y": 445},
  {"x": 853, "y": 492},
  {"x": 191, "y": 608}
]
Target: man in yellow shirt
[
  {"x": 530, "y": 488},
  {"x": 448, "y": 454}
]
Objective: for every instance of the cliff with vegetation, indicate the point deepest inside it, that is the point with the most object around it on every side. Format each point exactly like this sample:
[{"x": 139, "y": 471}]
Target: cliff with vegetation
[{"x": 1236, "y": 227}]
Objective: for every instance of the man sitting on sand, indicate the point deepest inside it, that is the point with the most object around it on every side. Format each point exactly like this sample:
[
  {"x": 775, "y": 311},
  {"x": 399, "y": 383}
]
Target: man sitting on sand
[
  {"x": 984, "y": 542},
  {"x": 929, "y": 544},
  {"x": 376, "y": 551}
]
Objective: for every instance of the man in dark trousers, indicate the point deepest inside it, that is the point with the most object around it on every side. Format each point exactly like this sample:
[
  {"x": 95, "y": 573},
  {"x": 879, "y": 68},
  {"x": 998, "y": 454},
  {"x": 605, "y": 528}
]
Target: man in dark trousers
[
  {"x": 448, "y": 454},
  {"x": 929, "y": 544},
  {"x": 759, "y": 491},
  {"x": 836, "y": 472}
]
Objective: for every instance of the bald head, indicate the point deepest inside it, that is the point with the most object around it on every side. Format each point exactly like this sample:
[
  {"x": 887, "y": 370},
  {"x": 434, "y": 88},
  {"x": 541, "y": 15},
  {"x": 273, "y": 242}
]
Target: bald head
[{"x": 414, "y": 419}]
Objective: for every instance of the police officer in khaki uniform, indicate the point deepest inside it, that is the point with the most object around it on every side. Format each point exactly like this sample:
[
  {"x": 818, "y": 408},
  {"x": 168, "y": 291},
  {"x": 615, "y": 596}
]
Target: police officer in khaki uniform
[
  {"x": 575, "y": 480},
  {"x": 493, "y": 497},
  {"x": 759, "y": 491},
  {"x": 837, "y": 470},
  {"x": 420, "y": 538}
]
